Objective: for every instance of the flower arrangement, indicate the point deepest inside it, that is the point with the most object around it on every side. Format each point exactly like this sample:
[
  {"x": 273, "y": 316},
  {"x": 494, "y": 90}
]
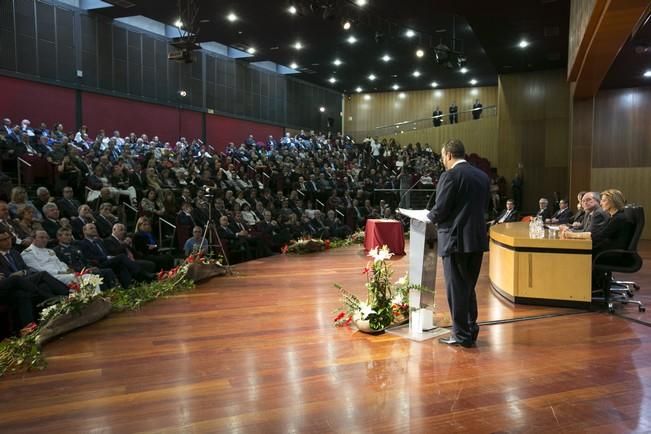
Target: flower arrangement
[
  {"x": 83, "y": 290},
  {"x": 386, "y": 303},
  {"x": 357, "y": 237},
  {"x": 305, "y": 245}
]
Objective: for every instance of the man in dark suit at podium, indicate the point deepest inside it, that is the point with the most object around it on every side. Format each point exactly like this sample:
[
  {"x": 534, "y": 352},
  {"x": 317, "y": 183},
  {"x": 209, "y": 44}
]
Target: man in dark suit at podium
[{"x": 462, "y": 196}]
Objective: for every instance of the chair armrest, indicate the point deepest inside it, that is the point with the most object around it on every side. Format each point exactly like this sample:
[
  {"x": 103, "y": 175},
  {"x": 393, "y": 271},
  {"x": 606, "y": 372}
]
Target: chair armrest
[{"x": 622, "y": 252}]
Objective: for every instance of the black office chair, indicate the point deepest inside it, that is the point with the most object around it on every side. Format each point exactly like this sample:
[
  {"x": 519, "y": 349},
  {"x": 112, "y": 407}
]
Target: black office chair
[{"x": 621, "y": 261}]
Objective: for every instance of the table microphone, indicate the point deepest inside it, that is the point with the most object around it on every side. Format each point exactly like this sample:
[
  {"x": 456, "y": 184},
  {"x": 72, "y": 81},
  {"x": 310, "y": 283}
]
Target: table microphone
[{"x": 402, "y": 196}]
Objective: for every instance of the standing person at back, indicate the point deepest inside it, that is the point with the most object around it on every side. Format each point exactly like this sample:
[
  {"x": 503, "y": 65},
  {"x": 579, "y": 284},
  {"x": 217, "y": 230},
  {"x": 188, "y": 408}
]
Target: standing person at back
[{"x": 462, "y": 196}]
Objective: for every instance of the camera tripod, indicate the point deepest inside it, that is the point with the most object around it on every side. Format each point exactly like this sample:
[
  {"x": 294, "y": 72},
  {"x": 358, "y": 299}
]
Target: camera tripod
[{"x": 208, "y": 231}]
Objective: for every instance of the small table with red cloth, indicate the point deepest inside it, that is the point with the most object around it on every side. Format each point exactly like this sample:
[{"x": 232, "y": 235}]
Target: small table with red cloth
[{"x": 383, "y": 231}]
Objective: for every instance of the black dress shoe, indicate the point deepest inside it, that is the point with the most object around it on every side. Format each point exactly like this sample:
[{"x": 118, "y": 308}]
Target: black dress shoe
[
  {"x": 453, "y": 341},
  {"x": 475, "y": 334}
]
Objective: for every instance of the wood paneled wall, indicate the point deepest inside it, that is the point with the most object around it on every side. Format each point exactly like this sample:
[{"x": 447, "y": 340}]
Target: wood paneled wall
[
  {"x": 478, "y": 136},
  {"x": 365, "y": 111},
  {"x": 533, "y": 132},
  {"x": 621, "y": 150},
  {"x": 580, "y": 14}
]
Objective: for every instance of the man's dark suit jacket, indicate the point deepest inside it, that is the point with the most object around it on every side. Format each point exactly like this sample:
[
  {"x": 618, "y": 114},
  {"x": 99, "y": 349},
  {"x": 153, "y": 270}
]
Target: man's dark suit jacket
[
  {"x": 114, "y": 247},
  {"x": 513, "y": 217},
  {"x": 91, "y": 252},
  {"x": 68, "y": 207},
  {"x": 595, "y": 222},
  {"x": 5, "y": 268},
  {"x": 544, "y": 213},
  {"x": 104, "y": 226},
  {"x": 462, "y": 196},
  {"x": 563, "y": 216}
]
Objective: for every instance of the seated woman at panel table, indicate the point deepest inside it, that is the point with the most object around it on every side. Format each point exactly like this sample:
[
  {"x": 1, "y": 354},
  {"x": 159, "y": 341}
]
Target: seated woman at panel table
[{"x": 617, "y": 232}]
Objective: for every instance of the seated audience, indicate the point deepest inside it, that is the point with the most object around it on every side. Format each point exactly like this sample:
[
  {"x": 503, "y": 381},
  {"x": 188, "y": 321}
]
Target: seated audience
[
  {"x": 194, "y": 244},
  {"x": 38, "y": 257},
  {"x": 71, "y": 255},
  {"x": 145, "y": 246}
]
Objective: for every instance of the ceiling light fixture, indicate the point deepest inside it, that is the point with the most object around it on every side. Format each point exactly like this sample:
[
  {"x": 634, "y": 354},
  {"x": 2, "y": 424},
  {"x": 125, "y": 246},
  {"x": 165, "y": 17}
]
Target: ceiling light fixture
[
  {"x": 386, "y": 58},
  {"x": 292, "y": 10},
  {"x": 178, "y": 23},
  {"x": 410, "y": 33},
  {"x": 250, "y": 50},
  {"x": 434, "y": 84},
  {"x": 346, "y": 24},
  {"x": 231, "y": 17},
  {"x": 183, "y": 93},
  {"x": 294, "y": 65},
  {"x": 298, "y": 45},
  {"x": 473, "y": 82},
  {"x": 395, "y": 87},
  {"x": 351, "y": 39},
  {"x": 416, "y": 73},
  {"x": 523, "y": 43},
  {"x": 647, "y": 73},
  {"x": 337, "y": 62},
  {"x": 463, "y": 70},
  {"x": 322, "y": 109},
  {"x": 332, "y": 80},
  {"x": 372, "y": 77},
  {"x": 360, "y": 2},
  {"x": 358, "y": 89},
  {"x": 420, "y": 53}
]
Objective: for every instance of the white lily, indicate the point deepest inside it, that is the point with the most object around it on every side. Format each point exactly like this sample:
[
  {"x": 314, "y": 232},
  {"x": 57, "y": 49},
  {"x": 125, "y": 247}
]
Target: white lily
[
  {"x": 402, "y": 281},
  {"x": 397, "y": 299},
  {"x": 365, "y": 310},
  {"x": 380, "y": 255}
]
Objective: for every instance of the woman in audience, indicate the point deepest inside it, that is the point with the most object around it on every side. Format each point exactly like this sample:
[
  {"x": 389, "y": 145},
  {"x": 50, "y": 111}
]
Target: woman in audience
[
  {"x": 19, "y": 200},
  {"x": 151, "y": 205},
  {"x": 145, "y": 246},
  {"x": 151, "y": 179},
  {"x": 25, "y": 225}
]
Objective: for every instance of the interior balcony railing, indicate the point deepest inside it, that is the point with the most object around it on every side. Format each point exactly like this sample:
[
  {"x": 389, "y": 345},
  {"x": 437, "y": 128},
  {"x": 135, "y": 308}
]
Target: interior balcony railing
[{"x": 444, "y": 120}]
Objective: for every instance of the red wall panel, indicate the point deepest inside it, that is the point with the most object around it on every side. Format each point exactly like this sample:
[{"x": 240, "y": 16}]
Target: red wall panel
[
  {"x": 190, "y": 124},
  {"x": 110, "y": 113},
  {"x": 24, "y": 99},
  {"x": 221, "y": 130}
]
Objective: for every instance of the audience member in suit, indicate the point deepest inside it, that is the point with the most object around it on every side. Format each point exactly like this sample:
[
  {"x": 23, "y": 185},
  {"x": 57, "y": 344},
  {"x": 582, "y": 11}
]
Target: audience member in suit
[
  {"x": 437, "y": 115},
  {"x": 462, "y": 196},
  {"x": 145, "y": 246},
  {"x": 104, "y": 220},
  {"x": 97, "y": 254},
  {"x": 68, "y": 205},
  {"x": 236, "y": 241},
  {"x": 7, "y": 225},
  {"x": 16, "y": 291},
  {"x": 85, "y": 216},
  {"x": 119, "y": 244},
  {"x": 51, "y": 222},
  {"x": 454, "y": 117},
  {"x": 72, "y": 256},
  {"x": 256, "y": 244},
  {"x": 544, "y": 212},
  {"x": 563, "y": 215},
  {"x": 509, "y": 215}
]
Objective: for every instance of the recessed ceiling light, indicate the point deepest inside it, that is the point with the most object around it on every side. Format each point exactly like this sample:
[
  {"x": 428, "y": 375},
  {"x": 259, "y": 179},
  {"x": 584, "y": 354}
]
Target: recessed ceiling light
[
  {"x": 402, "y": 95},
  {"x": 346, "y": 24},
  {"x": 523, "y": 43},
  {"x": 420, "y": 53},
  {"x": 410, "y": 33},
  {"x": 358, "y": 89},
  {"x": 386, "y": 57},
  {"x": 332, "y": 80},
  {"x": 294, "y": 65},
  {"x": 367, "y": 97},
  {"x": 178, "y": 23},
  {"x": 292, "y": 10},
  {"x": 231, "y": 17},
  {"x": 372, "y": 77},
  {"x": 473, "y": 82},
  {"x": 337, "y": 62},
  {"x": 298, "y": 45},
  {"x": 360, "y": 2},
  {"x": 434, "y": 84},
  {"x": 321, "y": 109},
  {"x": 183, "y": 93},
  {"x": 351, "y": 39},
  {"x": 416, "y": 73},
  {"x": 647, "y": 73},
  {"x": 463, "y": 70},
  {"x": 250, "y": 50},
  {"x": 395, "y": 87}
]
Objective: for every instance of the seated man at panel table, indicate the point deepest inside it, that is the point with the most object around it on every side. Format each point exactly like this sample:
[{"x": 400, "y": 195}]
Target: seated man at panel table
[
  {"x": 594, "y": 222},
  {"x": 544, "y": 211},
  {"x": 562, "y": 216},
  {"x": 509, "y": 215}
]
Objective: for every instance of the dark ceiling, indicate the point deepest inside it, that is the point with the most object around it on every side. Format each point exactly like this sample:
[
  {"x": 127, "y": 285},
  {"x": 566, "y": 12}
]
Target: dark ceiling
[
  {"x": 632, "y": 61},
  {"x": 487, "y": 34}
]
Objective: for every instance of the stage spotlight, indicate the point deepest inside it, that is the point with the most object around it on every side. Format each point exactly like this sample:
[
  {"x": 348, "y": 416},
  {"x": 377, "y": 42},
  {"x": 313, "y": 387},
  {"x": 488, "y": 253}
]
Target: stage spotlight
[{"x": 346, "y": 24}]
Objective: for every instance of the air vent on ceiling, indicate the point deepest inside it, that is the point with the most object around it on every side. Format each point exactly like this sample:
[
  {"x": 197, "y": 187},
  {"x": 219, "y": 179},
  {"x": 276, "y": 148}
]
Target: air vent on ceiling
[
  {"x": 551, "y": 31},
  {"x": 121, "y": 3}
]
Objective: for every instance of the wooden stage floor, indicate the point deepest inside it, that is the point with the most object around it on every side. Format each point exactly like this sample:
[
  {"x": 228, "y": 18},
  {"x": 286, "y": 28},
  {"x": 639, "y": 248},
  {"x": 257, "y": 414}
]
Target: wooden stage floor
[{"x": 256, "y": 352}]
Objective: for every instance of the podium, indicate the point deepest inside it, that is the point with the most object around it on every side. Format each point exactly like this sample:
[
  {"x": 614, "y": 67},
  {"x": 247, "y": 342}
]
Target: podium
[{"x": 422, "y": 271}]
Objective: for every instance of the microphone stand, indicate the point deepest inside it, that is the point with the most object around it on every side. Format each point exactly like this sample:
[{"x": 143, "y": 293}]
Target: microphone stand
[{"x": 402, "y": 196}]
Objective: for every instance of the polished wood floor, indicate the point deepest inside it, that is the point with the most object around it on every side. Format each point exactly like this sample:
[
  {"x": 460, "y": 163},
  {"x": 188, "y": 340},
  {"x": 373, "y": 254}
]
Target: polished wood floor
[{"x": 256, "y": 352}]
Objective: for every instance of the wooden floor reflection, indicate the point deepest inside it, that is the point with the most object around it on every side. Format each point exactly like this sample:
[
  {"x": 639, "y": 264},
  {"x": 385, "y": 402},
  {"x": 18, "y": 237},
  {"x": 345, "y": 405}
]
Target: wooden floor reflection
[{"x": 256, "y": 352}]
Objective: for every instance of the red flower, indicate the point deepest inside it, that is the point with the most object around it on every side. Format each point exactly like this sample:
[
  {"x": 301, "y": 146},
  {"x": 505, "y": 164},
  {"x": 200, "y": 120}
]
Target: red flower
[
  {"x": 349, "y": 320},
  {"x": 340, "y": 316},
  {"x": 327, "y": 244},
  {"x": 366, "y": 270},
  {"x": 190, "y": 259},
  {"x": 284, "y": 249}
]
